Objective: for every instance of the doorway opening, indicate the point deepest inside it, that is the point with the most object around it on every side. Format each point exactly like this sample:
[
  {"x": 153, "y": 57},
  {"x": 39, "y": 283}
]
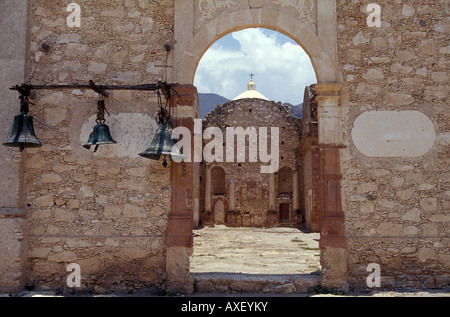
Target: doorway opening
[
  {"x": 284, "y": 214},
  {"x": 250, "y": 246}
]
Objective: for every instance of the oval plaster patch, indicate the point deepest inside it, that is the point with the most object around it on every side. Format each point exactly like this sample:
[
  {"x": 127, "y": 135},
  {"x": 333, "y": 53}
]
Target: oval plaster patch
[
  {"x": 133, "y": 132},
  {"x": 406, "y": 134}
]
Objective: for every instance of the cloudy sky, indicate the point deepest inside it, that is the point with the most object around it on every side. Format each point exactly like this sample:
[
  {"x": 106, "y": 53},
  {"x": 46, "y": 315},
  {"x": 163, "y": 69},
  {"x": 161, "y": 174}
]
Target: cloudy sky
[{"x": 282, "y": 69}]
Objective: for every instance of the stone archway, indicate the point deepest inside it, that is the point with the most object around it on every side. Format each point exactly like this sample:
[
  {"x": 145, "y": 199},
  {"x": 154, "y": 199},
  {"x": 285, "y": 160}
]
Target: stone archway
[
  {"x": 194, "y": 37},
  {"x": 187, "y": 56}
]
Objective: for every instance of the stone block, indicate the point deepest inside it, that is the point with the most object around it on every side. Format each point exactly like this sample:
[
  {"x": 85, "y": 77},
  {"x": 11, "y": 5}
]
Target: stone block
[
  {"x": 412, "y": 215},
  {"x": 45, "y": 201},
  {"x": 134, "y": 254},
  {"x": 389, "y": 229},
  {"x": 428, "y": 204},
  {"x": 424, "y": 254}
]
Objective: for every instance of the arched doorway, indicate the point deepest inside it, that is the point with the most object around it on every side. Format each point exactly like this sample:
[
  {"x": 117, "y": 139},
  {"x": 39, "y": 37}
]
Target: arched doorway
[
  {"x": 195, "y": 33},
  {"x": 218, "y": 191},
  {"x": 285, "y": 195},
  {"x": 219, "y": 212}
]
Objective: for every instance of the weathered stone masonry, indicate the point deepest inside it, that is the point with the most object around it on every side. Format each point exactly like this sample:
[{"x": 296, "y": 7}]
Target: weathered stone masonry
[
  {"x": 118, "y": 215},
  {"x": 396, "y": 209}
]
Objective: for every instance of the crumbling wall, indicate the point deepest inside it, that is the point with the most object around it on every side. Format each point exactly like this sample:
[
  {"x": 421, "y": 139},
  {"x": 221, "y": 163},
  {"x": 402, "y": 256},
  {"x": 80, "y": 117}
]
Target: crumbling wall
[
  {"x": 309, "y": 155},
  {"x": 252, "y": 188}
]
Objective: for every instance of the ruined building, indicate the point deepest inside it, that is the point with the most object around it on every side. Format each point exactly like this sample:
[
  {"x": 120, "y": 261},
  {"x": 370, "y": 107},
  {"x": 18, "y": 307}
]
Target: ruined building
[
  {"x": 237, "y": 193},
  {"x": 377, "y": 144}
]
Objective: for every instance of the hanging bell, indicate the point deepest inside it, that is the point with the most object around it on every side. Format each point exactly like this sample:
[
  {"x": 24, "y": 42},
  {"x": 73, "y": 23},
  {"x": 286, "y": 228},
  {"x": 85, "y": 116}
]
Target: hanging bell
[
  {"x": 163, "y": 145},
  {"x": 101, "y": 134},
  {"x": 22, "y": 133}
]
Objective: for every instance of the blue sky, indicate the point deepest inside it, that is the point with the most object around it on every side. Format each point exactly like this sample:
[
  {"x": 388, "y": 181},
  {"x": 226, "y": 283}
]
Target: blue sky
[{"x": 282, "y": 69}]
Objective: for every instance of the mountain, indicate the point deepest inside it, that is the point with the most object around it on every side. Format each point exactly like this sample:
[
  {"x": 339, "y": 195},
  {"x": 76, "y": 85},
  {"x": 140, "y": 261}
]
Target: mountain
[
  {"x": 297, "y": 110},
  {"x": 208, "y": 102}
]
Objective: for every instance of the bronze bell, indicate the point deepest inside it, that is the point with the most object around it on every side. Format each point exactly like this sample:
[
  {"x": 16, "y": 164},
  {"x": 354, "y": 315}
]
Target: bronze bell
[
  {"x": 162, "y": 145},
  {"x": 22, "y": 133},
  {"x": 100, "y": 136}
]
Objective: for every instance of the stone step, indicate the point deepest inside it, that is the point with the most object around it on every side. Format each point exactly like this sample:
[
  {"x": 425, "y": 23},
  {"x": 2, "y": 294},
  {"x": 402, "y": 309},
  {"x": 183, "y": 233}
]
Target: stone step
[{"x": 255, "y": 283}]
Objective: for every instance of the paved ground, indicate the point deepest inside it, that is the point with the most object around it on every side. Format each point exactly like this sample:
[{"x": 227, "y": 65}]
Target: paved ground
[
  {"x": 255, "y": 251},
  {"x": 269, "y": 251}
]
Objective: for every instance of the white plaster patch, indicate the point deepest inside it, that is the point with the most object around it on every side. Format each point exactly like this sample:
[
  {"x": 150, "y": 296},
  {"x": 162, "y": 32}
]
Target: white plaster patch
[
  {"x": 133, "y": 133},
  {"x": 393, "y": 134}
]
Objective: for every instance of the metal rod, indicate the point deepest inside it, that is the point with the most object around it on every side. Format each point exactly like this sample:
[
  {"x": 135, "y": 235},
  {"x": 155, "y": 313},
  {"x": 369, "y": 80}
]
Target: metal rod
[
  {"x": 100, "y": 89},
  {"x": 150, "y": 87}
]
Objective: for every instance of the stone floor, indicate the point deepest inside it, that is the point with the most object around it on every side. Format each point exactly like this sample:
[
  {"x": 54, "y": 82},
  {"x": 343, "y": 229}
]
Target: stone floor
[{"x": 255, "y": 251}]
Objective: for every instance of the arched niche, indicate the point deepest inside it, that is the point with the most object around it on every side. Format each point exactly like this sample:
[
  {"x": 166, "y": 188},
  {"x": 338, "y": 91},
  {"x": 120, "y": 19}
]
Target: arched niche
[
  {"x": 218, "y": 186},
  {"x": 285, "y": 180}
]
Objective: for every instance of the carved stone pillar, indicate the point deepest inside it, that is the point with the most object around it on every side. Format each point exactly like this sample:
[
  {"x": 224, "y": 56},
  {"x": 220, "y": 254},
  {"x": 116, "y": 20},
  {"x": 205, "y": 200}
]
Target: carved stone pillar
[
  {"x": 272, "y": 193},
  {"x": 231, "y": 212},
  {"x": 332, "y": 222},
  {"x": 179, "y": 233},
  {"x": 295, "y": 198},
  {"x": 208, "y": 189},
  {"x": 272, "y": 215},
  {"x": 231, "y": 195},
  {"x": 208, "y": 215}
]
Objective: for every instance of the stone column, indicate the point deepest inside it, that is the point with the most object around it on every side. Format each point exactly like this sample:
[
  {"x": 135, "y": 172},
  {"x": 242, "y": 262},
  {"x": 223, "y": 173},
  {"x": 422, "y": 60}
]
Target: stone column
[
  {"x": 272, "y": 191},
  {"x": 231, "y": 220},
  {"x": 208, "y": 214},
  {"x": 179, "y": 233},
  {"x": 332, "y": 241},
  {"x": 208, "y": 188},
  {"x": 14, "y": 55},
  {"x": 272, "y": 215},
  {"x": 231, "y": 195},
  {"x": 295, "y": 197}
]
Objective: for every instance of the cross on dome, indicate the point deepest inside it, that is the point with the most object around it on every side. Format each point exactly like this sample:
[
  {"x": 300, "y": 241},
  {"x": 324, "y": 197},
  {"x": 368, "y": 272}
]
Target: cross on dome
[{"x": 251, "y": 91}]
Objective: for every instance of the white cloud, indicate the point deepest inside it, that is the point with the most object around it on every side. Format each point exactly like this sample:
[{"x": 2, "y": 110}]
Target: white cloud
[{"x": 282, "y": 68}]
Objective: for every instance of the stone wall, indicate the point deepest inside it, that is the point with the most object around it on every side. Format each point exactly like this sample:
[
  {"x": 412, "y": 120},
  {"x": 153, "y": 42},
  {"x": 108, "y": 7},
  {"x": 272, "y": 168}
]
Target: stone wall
[
  {"x": 13, "y": 222},
  {"x": 108, "y": 211},
  {"x": 396, "y": 208}
]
